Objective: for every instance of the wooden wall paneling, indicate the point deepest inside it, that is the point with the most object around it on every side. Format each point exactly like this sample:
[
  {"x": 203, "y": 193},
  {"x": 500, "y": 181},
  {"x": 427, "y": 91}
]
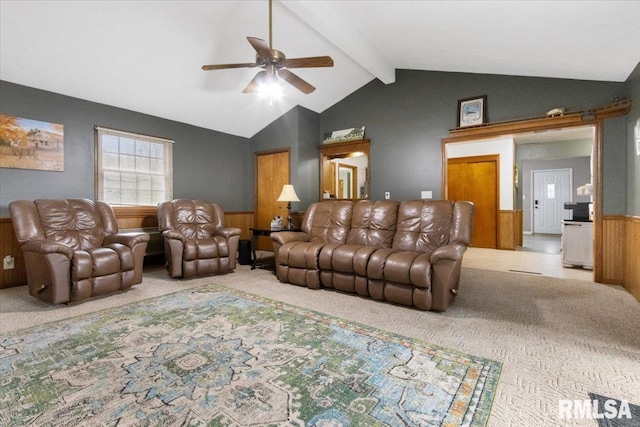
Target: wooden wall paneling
[
  {"x": 136, "y": 216},
  {"x": 9, "y": 246},
  {"x": 127, "y": 217},
  {"x": 613, "y": 248},
  {"x": 632, "y": 260},
  {"x": 241, "y": 220},
  {"x": 509, "y": 229}
]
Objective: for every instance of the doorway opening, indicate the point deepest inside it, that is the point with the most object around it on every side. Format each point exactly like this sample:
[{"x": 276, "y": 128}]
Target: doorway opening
[{"x": 548, "y": 152}]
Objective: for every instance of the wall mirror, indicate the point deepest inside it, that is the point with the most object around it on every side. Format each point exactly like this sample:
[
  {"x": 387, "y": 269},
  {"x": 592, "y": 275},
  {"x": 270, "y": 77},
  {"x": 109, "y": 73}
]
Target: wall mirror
[{"x": 345, "y": 170}]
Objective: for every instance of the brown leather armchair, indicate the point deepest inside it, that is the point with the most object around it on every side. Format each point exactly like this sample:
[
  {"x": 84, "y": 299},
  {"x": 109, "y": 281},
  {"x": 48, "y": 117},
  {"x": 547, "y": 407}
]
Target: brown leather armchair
[
  {"x": 73, "y": 250},
  {"x": 196, "y": 242}
]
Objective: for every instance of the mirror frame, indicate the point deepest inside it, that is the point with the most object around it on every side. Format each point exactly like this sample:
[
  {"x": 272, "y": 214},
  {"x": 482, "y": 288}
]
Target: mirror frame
[{"x": 342, "y": 149}]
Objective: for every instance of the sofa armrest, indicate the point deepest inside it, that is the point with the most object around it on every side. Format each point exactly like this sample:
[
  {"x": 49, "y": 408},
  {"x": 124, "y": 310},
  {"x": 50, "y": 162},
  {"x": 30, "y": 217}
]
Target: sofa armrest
[
  {"x": 283, "y": 237},
  {"x": 228, "y": 232},
  {"x": 44, "y": 247},
  {"x": 128, "y": 239},
  {"x": 137, "y": 242},
  {"x": 174, "y": 235},
  {"x": 446, "y": 262},
  {"x": 279, "y": 238},
  {"x": 452, "y": 252}
]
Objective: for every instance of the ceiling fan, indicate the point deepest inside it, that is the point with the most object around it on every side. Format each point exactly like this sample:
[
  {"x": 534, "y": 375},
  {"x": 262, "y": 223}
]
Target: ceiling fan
[{"x": 275, "y": 65}]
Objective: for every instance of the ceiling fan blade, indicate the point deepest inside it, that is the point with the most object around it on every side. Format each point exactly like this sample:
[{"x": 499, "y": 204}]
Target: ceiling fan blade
[
  {"x": 312, "y": 61},
  {"x": 255, "y": 83},
  {"x": 224, "y": 66},
  {"x": 261, "y": 47},
  {"x": 296, "y": 81}
]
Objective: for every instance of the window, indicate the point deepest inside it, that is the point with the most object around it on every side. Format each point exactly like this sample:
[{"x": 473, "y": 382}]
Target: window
[{"x": 132, "y": 169}]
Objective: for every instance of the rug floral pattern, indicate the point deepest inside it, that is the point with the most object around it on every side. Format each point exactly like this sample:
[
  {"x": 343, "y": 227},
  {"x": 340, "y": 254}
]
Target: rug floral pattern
[{"x": 216, "y": 356}]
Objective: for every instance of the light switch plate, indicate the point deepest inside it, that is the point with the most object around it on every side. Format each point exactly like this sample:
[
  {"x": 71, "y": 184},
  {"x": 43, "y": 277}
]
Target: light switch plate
[{"x": 8, "y": 262}]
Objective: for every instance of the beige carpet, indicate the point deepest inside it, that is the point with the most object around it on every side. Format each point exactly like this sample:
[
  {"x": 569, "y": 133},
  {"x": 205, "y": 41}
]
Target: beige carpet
[{"x": 557, "y": 338}]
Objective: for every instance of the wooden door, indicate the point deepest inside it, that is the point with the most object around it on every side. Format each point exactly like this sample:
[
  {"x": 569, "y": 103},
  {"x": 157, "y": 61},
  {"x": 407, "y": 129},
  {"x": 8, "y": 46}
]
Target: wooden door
[
  {"x": 476, "y": 179},
  {"x": 272, "y": 172}
]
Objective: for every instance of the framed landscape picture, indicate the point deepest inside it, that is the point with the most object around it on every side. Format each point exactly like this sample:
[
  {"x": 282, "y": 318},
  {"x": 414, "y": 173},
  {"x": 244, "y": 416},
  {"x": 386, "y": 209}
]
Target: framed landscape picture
[
  {"x": 472, "y": 111},
  {"x": 31, "y": 144}
]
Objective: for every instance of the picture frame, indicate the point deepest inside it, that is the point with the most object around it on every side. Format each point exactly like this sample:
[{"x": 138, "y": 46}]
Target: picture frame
[
  {"x": 472, "y": 111},
  {"x": 344, "y": 135},
  {"x": 31, "y": 144}
]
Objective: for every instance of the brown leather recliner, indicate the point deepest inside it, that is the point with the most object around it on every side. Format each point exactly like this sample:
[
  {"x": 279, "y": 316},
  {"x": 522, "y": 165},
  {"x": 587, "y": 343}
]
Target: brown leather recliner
[
  {"x": 73, "y": 250},
  {"x": 196, "y": 241}
]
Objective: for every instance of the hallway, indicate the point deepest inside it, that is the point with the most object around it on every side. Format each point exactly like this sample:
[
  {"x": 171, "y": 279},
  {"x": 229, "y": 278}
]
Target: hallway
[{"x": 539, "y": 255}]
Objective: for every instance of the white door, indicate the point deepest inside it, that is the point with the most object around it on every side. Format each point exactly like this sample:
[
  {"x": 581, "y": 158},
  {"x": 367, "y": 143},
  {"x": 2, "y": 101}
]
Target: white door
[{"x": 551, "y": 189}]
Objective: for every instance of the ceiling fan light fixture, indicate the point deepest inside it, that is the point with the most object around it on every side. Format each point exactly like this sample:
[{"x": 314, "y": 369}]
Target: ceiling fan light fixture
[
  {"x": 276, "y": 66},
  {"x": 270, "y": 88}
]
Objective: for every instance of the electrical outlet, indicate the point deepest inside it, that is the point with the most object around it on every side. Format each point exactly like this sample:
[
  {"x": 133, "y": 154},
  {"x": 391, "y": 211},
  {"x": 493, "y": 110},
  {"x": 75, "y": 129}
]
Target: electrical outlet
[
  {"x": 426, "y": 194},
  {"x": 8, "y": 262},
  {"x": 387, "y": 195}
]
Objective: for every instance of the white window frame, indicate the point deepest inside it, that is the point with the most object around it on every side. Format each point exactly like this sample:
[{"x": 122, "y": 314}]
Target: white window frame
[{"x": 149, "y": 175}]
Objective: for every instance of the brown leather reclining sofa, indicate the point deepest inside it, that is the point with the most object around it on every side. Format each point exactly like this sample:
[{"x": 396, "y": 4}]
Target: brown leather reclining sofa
[{"x": 408, "y": 253}]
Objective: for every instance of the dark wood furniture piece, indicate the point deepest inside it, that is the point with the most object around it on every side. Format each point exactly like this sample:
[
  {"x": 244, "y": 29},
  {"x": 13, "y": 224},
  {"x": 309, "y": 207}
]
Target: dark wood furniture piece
[{"x": 255, "y": 233}]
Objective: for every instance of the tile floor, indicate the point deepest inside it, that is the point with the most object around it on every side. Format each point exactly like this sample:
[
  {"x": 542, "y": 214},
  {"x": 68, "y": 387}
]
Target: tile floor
[{"x": 540, "y": 255}]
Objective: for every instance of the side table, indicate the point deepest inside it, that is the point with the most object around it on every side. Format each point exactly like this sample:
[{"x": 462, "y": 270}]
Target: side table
[{"x": 255, "y": 233}]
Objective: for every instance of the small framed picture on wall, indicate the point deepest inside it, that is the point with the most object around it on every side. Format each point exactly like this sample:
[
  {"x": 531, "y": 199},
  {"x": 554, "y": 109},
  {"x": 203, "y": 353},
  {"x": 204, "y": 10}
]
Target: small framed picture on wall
[{"x": 472, "y": 111}]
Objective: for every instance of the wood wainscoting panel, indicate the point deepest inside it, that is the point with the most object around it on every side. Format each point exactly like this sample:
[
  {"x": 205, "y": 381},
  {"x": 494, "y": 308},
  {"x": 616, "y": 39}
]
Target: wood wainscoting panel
[
  {"x": 613, "y": 249},
  {"x": 509, "y": 229},
  {"x": 241, "y": 220},
  {"x": 134, "y": 217},
  {"x": 632, "y": 260},
  {"x": 9, "y": 246}
]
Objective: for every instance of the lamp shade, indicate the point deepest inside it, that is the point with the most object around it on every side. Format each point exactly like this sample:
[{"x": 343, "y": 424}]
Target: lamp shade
[{"x": 288, "y": 194}]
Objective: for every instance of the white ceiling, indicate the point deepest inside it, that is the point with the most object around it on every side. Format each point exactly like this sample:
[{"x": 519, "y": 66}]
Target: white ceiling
[{"x": 146, "y": 56}]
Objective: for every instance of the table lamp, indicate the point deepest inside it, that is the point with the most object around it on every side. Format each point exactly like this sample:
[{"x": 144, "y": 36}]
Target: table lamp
[{"x": 288, "y": 195}]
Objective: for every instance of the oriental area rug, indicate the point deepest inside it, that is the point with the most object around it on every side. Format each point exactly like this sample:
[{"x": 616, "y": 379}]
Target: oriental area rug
[{"x": 219, "y": 357}]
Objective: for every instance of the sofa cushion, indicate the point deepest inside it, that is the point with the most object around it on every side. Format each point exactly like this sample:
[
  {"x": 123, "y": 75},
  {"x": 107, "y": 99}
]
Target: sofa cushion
[
  {"x": 94, "y": 262},
  {"x": 328, "y": 222},
  {"x": 373, "y": 223},
  {"x": 345, "y": 258},
  {"x": 76, "y": 223},
  {"x": 205, "y": 248},
  {"x": 423, "y": 225},
  {"x": 196, "y": 219}
]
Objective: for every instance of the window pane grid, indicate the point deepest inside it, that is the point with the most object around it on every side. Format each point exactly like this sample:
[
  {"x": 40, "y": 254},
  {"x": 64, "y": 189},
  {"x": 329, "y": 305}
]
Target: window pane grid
[{"x": 133, "y": 171}]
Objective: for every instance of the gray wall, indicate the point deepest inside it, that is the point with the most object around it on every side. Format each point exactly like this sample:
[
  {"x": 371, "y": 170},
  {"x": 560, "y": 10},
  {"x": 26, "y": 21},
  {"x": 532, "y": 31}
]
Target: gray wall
[
  {"x": 614, "y": 166},
  {"x": 633, "y": 159},
  {"x": 407, "y": 120},
  {"x": 297, "y": 130},
  {"x": 207, "y": 164}
]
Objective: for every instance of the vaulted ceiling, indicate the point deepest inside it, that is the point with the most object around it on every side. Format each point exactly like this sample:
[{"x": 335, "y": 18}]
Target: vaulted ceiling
[{"x": 147, "y": 56}]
